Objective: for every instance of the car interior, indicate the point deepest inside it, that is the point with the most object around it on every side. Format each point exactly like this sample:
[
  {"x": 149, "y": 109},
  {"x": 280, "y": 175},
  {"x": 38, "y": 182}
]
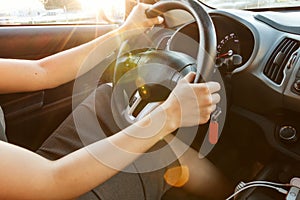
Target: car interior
[{"x": 255, "y": 51}]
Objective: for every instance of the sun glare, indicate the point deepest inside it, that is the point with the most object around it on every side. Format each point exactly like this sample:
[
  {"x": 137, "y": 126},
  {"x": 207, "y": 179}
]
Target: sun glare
[
  {"x": 20, "y": 4},
  {"x": 112, "y": 8}
]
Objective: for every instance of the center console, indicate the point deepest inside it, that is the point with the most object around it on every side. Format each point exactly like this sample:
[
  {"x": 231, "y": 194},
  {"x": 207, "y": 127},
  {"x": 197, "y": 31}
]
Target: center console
[{"x": 278, "y": 172}]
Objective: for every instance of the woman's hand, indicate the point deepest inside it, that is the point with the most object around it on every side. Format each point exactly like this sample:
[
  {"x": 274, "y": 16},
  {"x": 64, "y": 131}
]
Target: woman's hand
[
  {"x": 137, "y": 19},
  {"x": 191, "y": 104}
]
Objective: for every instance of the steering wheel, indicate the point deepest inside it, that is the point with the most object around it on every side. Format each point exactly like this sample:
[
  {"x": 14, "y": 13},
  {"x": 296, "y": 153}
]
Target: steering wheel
[
  {"x": 144, "y": 78},
  {"x": 153, "y": 74},
  {"x": 156, "y": 72}
]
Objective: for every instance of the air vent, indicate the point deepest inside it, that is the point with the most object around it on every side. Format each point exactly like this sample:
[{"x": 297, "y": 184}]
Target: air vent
[{"x": 279, "y": 58}]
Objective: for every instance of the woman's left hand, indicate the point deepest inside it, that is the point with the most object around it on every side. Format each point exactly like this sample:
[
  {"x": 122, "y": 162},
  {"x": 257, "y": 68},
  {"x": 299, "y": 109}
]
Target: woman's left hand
[{"x": 137, "y": 19}]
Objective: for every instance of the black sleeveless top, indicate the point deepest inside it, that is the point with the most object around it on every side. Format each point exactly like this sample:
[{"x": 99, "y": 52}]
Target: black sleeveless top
[{"x": 2, "y": 126}]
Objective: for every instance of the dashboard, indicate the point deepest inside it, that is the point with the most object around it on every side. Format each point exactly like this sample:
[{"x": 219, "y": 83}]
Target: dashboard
[
  {"x": 259, "y": 52},
  {"x": 235, "y": 42}
]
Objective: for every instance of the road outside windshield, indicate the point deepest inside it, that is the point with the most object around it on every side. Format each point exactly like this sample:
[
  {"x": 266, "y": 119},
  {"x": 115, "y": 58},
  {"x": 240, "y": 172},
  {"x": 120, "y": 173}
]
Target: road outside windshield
[{"x": 251, "y": 4}]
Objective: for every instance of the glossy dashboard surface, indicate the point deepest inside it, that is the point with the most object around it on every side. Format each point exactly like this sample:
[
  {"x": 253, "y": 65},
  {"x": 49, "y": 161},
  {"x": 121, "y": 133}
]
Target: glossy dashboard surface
[
  {"x": 258, "y": 52},
  {"x": 246, "y": 45}
]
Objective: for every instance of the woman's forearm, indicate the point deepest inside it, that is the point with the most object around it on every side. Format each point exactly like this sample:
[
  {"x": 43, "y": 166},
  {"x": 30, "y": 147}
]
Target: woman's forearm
[
  {"x": 25, "y": 175},
  {"x": 82, "y": 170},
  {"x": 101, "y": 160},
  {"x": 67, "y": 65},
  {"x": 57, "y": 69}
]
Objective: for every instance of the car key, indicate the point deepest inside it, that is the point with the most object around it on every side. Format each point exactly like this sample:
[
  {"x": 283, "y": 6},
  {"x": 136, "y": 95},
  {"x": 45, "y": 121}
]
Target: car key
[{"x": 214, "y": 126}]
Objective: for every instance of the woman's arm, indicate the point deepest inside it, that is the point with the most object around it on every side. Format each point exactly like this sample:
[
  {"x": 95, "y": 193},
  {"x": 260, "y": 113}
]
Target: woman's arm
[
  {"x": 29, "y": 75},
  {"x": 26, "y": 175}
]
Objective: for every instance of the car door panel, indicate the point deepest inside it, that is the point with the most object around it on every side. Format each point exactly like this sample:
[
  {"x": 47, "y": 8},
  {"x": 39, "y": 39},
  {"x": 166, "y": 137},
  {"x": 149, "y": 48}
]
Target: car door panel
[{"x": 32, "y": 116}]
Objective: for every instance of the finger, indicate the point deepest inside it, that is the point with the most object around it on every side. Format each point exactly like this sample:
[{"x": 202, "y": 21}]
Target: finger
[
  {"x": 213, "y": 86},
  {"x": 213, "y": 108},
  {"x": 155, "y": 20},
  {"x": 190, "y": 77},
  {"x": 215, "y": 98},
  {"x": 204, "y": 119},
  {"x": 207, "y": 110}
]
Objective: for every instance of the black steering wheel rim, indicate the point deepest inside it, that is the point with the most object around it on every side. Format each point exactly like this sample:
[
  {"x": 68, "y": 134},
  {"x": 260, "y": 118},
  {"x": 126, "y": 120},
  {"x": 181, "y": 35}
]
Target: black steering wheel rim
[
  {"x": 207, "y": 34},
  {"x": 204, "y": 65}
]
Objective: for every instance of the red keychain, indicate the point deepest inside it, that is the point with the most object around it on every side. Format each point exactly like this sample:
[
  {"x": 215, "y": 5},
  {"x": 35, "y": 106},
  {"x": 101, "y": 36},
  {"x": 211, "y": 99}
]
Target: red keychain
[{"x": 214, "y": 127}]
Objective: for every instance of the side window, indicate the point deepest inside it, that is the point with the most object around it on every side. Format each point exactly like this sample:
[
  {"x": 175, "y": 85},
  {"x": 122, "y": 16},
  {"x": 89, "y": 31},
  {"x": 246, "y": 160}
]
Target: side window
[{"x": 24, "y": 12}]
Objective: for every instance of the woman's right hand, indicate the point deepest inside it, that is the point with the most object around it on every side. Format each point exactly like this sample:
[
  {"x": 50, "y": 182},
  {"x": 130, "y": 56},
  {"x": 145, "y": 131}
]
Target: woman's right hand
[{"x": 191, "y": 104}]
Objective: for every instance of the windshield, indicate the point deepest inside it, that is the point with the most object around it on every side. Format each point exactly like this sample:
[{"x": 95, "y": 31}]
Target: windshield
[
  {"x": 251, "y": 4},
  {"x": 14, "y": 12}
]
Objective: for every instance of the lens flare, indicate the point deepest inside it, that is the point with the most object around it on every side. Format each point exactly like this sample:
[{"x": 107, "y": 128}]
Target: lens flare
[{"x": 177, "y": 176}]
